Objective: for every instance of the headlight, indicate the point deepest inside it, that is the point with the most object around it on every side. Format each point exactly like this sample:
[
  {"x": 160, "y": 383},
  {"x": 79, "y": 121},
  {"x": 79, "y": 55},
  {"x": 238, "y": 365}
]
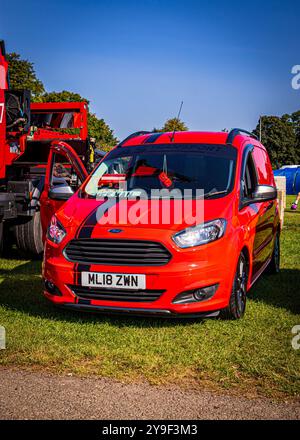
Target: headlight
[
  {"x": 56, "y": 232},
  {"x": 201, "y": 234}
]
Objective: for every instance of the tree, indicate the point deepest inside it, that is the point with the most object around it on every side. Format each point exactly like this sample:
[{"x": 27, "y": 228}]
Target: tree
[
  {"x": 64, "y": 96},
  {"x": 98, "y": 129},
  {"x": 174, "y": 124},
  {"x": 101, "y": 132},
  {"x": 279, "y": 138},
  {"x": 22, "y": 76}
]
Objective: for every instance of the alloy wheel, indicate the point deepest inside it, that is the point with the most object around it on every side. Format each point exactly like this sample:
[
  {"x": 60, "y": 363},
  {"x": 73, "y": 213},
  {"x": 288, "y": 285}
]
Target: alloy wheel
[{"x": 241, "y": 285}]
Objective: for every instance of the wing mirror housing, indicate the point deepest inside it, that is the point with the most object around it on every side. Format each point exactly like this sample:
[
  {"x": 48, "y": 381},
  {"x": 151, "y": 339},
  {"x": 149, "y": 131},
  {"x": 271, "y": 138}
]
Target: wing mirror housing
[
  {"x": 60, "y": 192},
  {"x": 264, "y": 193}
]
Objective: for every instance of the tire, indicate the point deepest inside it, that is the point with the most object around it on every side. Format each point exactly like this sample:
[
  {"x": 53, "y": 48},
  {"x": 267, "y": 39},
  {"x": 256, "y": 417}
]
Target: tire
[
  {"x": 29, "y": 236},
  {"x": 237, "y": 302},
  {"x": 274, "y": 266}
]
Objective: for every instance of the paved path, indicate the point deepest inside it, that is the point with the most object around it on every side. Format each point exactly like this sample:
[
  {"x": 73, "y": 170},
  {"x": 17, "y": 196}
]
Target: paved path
[{"x": 31, "y": 395}]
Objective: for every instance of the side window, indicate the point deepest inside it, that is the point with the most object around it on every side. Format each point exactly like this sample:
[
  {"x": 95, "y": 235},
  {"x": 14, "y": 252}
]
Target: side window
[
  {"x": 271, "y": 180},
  {"x": 249, "y": 178},
  {"x": 63, "y": 175},
  {"x": 262, "y": 166}
]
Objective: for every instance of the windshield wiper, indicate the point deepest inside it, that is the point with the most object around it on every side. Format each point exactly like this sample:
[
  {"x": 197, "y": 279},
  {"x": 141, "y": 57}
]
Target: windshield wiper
[{"x": 215, "y": 193}]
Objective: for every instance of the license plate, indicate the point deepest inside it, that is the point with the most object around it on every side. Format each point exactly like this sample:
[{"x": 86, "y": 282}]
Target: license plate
[{"x": 113, "y": 280}]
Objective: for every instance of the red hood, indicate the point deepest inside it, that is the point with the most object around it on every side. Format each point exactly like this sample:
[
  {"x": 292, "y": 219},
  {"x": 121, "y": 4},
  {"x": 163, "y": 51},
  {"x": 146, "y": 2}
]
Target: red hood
[{"x": 151, "y": 214}]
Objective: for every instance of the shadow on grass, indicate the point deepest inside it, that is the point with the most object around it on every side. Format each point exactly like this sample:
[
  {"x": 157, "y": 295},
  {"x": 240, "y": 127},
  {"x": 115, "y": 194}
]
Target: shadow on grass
[
  {"x": 21, "y": 293},
  {"x": 280, "y": 290}
]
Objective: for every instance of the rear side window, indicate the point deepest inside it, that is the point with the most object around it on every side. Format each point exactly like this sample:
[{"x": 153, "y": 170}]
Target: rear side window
[
  {"x": 263, "y": 166},
  {"x": 249, "y": 178}
]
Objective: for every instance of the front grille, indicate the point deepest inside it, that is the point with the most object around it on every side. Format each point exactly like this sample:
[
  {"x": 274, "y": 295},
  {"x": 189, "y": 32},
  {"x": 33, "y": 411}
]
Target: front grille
[
  {"x": 117, "y": 252},
  {"x": 83, "y": 292}
]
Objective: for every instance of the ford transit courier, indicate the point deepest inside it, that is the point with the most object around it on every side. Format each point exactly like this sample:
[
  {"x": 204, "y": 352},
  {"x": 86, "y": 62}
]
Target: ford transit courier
[{"x": 168, "y": 224}]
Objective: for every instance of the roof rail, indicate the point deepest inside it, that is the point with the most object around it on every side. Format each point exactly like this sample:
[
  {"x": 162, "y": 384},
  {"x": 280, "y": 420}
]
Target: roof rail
[
  {"x": 236, "y": 131},
  {"x": 136, "y": 133},
  {"x": 2, "y": 48}
]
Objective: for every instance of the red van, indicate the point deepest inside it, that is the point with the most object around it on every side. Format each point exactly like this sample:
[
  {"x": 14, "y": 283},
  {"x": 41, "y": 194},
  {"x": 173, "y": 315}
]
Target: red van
[{"x": 169, "y": 224}]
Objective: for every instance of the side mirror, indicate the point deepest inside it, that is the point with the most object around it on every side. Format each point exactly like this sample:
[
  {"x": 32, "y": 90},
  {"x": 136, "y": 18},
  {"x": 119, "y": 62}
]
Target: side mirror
[
  {"x": 263, "y": 193},
  {"x": 60, "y": 192}
]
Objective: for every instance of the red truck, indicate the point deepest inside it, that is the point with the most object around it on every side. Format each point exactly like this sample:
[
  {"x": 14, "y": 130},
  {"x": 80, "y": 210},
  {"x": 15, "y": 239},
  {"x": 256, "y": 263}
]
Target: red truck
[{"x": 26, "y": 132}]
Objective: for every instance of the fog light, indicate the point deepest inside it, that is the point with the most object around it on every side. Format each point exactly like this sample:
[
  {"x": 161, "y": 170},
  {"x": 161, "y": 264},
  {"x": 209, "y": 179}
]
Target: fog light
[
  {"x": 51, "y": 288},
  {"x": 197, "y": 295},
  {"x": 205, "y": 292}
]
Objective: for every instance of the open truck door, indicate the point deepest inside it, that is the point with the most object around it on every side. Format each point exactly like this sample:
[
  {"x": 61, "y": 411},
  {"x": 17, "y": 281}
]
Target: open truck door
[{"x": 64, "y": 174}]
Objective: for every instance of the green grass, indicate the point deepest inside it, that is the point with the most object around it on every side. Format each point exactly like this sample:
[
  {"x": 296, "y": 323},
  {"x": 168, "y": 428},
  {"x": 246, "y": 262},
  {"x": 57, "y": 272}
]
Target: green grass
[{"x": 253, "y": 356}]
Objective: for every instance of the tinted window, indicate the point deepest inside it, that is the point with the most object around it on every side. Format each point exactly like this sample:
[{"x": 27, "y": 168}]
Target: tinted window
[
  {"x": 261, "y": 166},
  {"x": 249, "y": 179},
  {"x": 63, "y": 174},
  {"x": 207, "y": 167}
]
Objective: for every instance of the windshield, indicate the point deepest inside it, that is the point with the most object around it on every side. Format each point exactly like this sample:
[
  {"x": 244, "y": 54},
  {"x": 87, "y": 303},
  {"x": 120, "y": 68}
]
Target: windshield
[{"x": 193, "y": 167}]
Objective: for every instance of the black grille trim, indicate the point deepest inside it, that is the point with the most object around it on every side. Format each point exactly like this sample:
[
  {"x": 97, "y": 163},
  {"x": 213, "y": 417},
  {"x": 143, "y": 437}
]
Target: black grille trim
[
  {"x": 89, "y": 293},
  {"x": 117, "y": 252}
]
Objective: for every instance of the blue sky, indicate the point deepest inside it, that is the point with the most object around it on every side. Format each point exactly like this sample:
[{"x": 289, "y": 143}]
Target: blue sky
[{"x": 229, "y": 61}]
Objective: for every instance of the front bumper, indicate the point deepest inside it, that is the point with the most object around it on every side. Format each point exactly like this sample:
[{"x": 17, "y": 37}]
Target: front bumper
[
  {"x": 136, "y": 311},
  {"x": 188, "y": 269},
  {"x": 174, "y": 278}
]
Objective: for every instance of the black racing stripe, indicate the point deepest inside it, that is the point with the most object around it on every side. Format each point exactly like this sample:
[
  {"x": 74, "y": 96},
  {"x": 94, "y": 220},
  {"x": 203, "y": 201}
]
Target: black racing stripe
[
  {"x": 152, "y": 138},
  {"x": 95, "y": 216},
  {"x": 85, "y": 231},
  {"x": 77, "y": 266},
  {"x": 81, "y": 268},
  {"x": 86, "y": 302},
  {"x": 79, "y": 228},
  {"x": 75, "y": 273},
  {"x": 87, "y": 227}
]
